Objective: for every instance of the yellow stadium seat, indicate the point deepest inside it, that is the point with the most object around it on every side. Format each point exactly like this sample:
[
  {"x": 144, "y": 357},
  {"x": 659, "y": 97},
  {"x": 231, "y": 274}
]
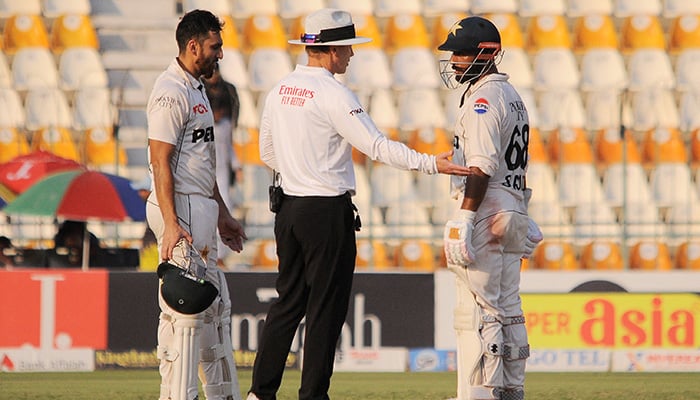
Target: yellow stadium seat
[
  {"x": 229, "y": 33},
  {"x": 58, "y": 141},
  {"x": 266, "y": 254},
  {"x": 415, "y": 255},
  {"x": 405, "y": 31},
  {"x": 570, "y": 145},
  {"x": 650, "y": 255},
  {"x": 609, "y": 147},
  {"x": 73, "y": 31},
  {"x": 641, "y": 32},
  {"x": 12, "y": 144},
  {"x": 688, "y": 255},
  {"x": 685, "y": 33},
  {"x": 662, "y": 145},
  {"x": 548, "y": 31},
  {"x": 295, "y": 32},
  {"x": 442, "y": 25},
  {"x": 554, "y": 255},
  {"x": 594, "y": 31},
  {"x": 524, "y": 264},
  {"x": 602, "y": 255},
  {"x": 263, "y": 31},
  {"x": 509, "y": 28},
  {"x": 430, "y": 140},
  {"x": 372, "y": 254},
  {"x": 366, "y": 26},
  {"x": 22, "y": 31},
  {"x": 99, "y": 148},
  {"x": 247, "y": 146}
]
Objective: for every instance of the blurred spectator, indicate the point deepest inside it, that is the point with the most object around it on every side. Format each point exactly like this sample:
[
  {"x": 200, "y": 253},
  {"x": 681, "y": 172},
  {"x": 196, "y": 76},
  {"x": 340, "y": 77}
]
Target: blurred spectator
[
  {"x": 148, "y": 253},
  {"x": 223, "y": 98},
  {"x": 68, "y": 245},
  {"x": 5, "y": 259}
]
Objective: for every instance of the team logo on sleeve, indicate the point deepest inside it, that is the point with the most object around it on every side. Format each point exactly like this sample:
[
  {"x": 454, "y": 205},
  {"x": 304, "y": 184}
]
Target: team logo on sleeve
[{"x": 481, "y": 105}]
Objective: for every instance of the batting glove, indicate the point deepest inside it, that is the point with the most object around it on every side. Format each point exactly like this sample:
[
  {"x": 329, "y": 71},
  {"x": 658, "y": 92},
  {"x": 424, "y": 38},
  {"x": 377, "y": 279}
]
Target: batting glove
[
  {"x": 534, "y": 236},
  {"x": 458, "y": 238}
]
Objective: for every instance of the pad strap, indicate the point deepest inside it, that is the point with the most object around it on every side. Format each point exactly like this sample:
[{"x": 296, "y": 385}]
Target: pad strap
[
  {"x": 513, "y": 352},
  {"x": 517, "y": 394},
  {"x": 493, "y": 349},
  {"x": 520, "y": 319},
  {"x": 215, "y": 352},
  {"x": 221, "y": 390}
]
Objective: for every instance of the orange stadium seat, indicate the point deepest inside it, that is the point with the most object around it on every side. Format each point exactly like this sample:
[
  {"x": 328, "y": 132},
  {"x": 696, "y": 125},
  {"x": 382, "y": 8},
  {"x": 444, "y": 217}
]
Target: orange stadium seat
[
  {"x": 537, "y": 150},
  {"x": 430, "y": 140},
  {"x": 229, "y": 33},
  {"x": 594, "y": 31},
  {"x": 415, "y": 255},
  {"x": 509, "y": 27},
  {"x": 602, "y": 255},
  {"x": 100, "y": 149},
  {"x": 641, "y": 32},
  {"x": 263, "y": 31},
  {"x": 372, "y": 254},
  {"x": 548, "y": 31},
  {"x": 73, "y": 31},
  {"x": 663, "y": 145},
  {"x": 695, "y": 147},
  {"x": 650, "y": 255},
  {"x": 366, "y": 26},
  {"x": 12, "y": 144},
  {"x": 554, "y": 255},
  {"x": 24, "y": 30},
  {"x": 570, "y": 145},
  {"x": 610, "y": 149},
  {"x": 57, "y": 140},
  {"x": 266, "y": 254},
  {"x": 246, "y": 146},
  {"x": 405, "y": 31},
  {"x": 688, "y": 255},
  {"x": 685, "y": 33}
]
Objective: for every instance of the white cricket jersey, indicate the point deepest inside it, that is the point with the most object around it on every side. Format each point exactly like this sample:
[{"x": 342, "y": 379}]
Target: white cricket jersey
[
  {"x": 309, "y": 125},
  {"x": 179, "y": 113},
  {"x": 492, "y": 133}
]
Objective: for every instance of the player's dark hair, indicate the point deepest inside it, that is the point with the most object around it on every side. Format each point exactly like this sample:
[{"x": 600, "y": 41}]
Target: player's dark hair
[
  {"x": 318, "y": 49},
  {"x": 196, "y": 24}
]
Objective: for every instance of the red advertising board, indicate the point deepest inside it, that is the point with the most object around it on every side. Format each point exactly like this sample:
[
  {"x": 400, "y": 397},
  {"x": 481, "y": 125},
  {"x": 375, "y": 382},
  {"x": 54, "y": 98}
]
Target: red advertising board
[{"x": 53, "y": 309}]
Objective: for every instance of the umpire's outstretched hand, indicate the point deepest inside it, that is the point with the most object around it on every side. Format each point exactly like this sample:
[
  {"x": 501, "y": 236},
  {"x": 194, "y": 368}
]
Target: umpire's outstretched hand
[{"x": 445, "y": 166}]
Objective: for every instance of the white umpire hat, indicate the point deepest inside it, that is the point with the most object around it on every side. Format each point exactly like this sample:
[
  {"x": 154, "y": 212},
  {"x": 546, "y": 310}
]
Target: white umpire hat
[{"x": 329, "y": 27}]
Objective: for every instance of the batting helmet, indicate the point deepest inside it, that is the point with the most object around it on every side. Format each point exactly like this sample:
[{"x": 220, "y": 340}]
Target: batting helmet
[
  {"x": 184, "y": 292},
  {"x": 471, "y": 36}
]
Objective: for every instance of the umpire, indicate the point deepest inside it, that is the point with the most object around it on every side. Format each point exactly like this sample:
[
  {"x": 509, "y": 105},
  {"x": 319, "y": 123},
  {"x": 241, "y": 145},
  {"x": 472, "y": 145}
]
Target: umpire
[{"x": 310, "y": 123}]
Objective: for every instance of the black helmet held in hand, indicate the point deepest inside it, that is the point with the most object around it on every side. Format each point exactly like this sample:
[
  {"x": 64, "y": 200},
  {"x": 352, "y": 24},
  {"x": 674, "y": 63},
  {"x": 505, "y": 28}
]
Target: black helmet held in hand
[{"x": 183, "y": 292}]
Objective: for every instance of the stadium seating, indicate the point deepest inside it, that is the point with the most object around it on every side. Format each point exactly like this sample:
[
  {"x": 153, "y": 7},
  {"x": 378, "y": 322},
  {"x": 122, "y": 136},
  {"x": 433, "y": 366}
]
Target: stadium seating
[
  {"x": 650, "y": 255},
  {"x": 373, "y": 255},
  {"x": 554, "y": 255},
  {"x": 415, "y": 255},
  {"x": 688, "y": 256},
  {"x": 587, "y": 70},
  {"x": 602, "y": 255}
]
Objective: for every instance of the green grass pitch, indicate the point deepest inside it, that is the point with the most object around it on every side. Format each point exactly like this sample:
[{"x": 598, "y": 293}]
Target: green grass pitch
[{"x": 143, "y": 384}]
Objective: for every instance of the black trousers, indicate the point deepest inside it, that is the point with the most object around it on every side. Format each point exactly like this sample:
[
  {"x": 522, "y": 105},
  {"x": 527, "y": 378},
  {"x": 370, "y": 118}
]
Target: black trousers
[{"x": 316, "y": 249}]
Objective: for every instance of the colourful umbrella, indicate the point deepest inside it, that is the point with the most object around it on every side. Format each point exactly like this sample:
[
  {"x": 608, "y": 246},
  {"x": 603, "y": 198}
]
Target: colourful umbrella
[
  {"x": 81, "y": 195},
  {"x": 6, "y": 196},
  {"x": 21, "y": 172}
]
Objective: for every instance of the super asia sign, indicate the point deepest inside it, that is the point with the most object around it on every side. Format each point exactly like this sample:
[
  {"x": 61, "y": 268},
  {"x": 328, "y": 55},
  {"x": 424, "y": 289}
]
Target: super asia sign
[{"x": 595, "y": 320}]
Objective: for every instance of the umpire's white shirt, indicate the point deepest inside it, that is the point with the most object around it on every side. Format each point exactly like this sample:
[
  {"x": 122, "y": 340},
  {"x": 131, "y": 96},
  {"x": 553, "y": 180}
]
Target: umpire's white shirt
[
  {"x": 179, "y": 113},
  {"x": 310, "y": 122}
]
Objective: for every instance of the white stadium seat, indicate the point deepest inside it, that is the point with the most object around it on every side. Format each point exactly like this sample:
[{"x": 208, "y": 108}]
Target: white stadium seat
[
  {"x": 55, "y": 8},
  {"x": 93, "y": 109},
  {"x": 626, "y": 8},
  {"x": 81, "y": 67},
  {"x": 266, "y": 66},
  {"x": 530, "y": 8},
  {"x": 579, "y": 8},
  {"x": 47, "y": 108},
  {"x": 34, "y": 68},
  {"x": 13, "y": 114},
  {"x": 414, "y": 68}
]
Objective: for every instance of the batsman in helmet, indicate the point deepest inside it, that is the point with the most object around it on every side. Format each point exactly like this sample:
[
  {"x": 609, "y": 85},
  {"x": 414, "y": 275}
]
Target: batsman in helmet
[{"x": 491, "y": 232}]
